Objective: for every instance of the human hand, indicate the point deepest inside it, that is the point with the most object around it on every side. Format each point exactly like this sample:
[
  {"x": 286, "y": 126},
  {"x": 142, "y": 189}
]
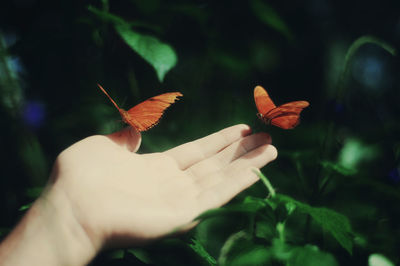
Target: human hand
[{"x": 114, "y": 196}]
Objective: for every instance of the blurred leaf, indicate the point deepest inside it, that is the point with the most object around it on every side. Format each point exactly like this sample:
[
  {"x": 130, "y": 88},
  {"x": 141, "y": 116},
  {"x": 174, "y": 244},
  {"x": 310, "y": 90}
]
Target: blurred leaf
[
  {"x": 335, "y": 223},
  {"x": 257, "y": 255},
  {"x": 117, "y": 254},
  {"x": 310, "y": 256},
  {"x": 338, "y": 168},
  {"x": 235, "y": 242},
  {"x": 260, "y": 202},
  {"x": 290, "y": 207},
  {"x": 265, "y": 229},
  {"x": 25, "y": 207},
  {"x": 141, "y": 255},
  {"x": 34, "y": 192},
  {"x": 159, "y": 55},
  {"x": 280, "y": 250},
  {"x": 202, "y": 252},
  {"x": 365, "y": 40},
  {"x": 379, "y": 260},
  {"x": 354, "y": 152},
  {"x": 266, "y": 14},
  {"x": 248, "y": 206},
  {"x": 10, "y": 89}
]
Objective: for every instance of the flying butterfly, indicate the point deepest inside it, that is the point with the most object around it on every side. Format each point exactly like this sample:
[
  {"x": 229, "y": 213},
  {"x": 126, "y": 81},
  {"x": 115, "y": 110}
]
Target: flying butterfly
[
  {"x": 147, "y": 114},
  {"x": 286, "y": 116}
]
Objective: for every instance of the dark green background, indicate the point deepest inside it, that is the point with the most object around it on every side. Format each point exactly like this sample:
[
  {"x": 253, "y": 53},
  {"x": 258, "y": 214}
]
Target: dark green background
[{"x": 56, "y": 52}]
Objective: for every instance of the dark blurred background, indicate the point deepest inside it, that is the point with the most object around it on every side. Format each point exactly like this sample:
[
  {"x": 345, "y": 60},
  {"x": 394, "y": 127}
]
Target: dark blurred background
[{"x": 53, "y": 53}]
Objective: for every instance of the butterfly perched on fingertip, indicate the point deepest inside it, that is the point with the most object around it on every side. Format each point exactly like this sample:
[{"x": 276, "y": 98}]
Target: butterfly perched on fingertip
[
  {"x": 147, "y": 114},
  {"x": 285, "y": 116}
]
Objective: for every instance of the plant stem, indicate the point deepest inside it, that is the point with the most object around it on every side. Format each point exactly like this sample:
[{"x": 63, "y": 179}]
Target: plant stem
[
  {"x": 280, "y": 227},
  {"x": 266, "y": 182}
]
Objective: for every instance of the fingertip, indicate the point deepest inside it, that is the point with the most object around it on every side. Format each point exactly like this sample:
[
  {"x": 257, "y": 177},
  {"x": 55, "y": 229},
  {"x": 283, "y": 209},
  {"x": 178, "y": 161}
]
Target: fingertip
[
  {"x": 128, "y": 138},
  {"x": 135, "y": 139},
  {"x": 244, "y": 129},
  {"x": 272, "y": 151}
]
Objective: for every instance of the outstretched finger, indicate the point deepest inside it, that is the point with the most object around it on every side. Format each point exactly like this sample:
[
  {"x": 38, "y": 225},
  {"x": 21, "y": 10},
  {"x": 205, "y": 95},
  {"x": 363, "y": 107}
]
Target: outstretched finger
[
  {"x": 192, "y": 152},
  {"x": 223, "y": 158},
  {"x": 236, "y": 178}
]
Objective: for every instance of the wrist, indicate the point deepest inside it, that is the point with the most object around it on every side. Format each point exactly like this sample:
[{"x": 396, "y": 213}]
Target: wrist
[{"x": 49, "y": 234}]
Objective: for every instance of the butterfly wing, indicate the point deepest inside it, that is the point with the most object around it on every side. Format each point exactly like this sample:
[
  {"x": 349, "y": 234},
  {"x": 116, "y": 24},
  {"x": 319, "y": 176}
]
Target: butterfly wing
[
  {"x": 147, "y": 114},
  {"x": 287, "y": 116},
  {"x": 263, "y": 101},
  {"x": 288, "y": 121},
  {"x": 292, "y": 107}
]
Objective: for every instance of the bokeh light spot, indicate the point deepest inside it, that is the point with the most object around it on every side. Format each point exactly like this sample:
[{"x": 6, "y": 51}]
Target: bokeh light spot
[
  {"x": 34, "y": 114},
  {"x": 369, "y": 71},
  {"x": 379, "y": 260}
]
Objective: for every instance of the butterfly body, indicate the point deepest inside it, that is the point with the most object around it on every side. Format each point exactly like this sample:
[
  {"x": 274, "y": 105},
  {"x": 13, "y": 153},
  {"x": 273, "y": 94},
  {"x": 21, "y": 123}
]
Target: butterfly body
[
  {"x": 147, "y": 114},
  {"x": 285, "y": 116}
]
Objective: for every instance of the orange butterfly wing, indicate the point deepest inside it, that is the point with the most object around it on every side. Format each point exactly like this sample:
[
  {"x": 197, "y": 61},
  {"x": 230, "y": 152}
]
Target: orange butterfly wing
[
  {"x": 263, "y": 101},
  {"x": 286, "y": 116},
  {"x": 146, "y": 114}
]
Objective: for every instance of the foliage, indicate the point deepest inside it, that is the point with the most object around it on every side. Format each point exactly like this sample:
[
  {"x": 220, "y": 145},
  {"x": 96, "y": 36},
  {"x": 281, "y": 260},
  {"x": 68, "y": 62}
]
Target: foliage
[{"x": 331, "y": 196}]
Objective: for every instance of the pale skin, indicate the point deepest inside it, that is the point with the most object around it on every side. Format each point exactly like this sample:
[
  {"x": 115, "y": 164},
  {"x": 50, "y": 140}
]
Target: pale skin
[{"x": 101, "y": 193}]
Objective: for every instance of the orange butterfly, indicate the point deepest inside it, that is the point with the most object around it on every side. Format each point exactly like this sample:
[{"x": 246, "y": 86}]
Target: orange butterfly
[
  {"x": 146, "y": 114},
  {"x": 285, "y": 116}
]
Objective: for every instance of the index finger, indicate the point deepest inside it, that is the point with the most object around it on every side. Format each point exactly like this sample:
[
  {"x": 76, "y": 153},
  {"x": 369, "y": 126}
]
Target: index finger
[{"x": 192, "y": 152}]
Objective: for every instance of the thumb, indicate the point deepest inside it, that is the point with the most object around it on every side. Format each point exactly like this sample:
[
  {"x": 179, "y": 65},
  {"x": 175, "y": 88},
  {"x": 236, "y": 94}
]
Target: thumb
[{"x": 128, "y": 138}]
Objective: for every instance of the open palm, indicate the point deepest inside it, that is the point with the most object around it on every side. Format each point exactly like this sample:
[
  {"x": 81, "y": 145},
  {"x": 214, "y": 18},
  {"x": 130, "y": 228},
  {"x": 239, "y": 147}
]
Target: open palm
[{"x": 119, "y": 196}]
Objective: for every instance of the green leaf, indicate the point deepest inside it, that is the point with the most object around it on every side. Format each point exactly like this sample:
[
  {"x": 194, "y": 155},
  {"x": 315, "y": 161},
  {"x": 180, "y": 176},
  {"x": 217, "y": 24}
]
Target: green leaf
[
  {"x": 265, "y": 229},
  {"x": 159, "y": 55},
  {"x": 117, "y": 254},
  {"x": 354, "y": 152},
  {"x": 335, "y": 223},
  {"x": 280, "y": 250},
  {"x": 267, "y": 15},
  {"x": 365, "y": 40},
  {"x": 257, "y": 255},
  {"x": 238, "y": 249},
  {"x": 141, "y": 255},
  {"x": 310, "y": 256},
  {"x": 379, "y": 260},
  {"x": 250, "y": 205},
  {"x": 202, "y": 252},
  {"x": 25, "y": 207}
]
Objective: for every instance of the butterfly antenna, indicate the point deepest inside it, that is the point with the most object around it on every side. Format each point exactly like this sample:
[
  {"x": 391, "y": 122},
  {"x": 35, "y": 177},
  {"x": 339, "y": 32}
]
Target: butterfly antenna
[{"x": 108, "y": 95}]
